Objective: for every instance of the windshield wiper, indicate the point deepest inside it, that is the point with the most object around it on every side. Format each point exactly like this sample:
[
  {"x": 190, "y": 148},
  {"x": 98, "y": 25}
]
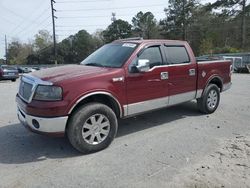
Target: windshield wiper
[{"x": 94, "y": 64}]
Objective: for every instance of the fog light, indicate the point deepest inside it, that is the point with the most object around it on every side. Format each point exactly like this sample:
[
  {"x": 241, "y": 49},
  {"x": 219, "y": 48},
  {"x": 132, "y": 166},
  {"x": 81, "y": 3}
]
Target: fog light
[{"x": 35, "y": 123}]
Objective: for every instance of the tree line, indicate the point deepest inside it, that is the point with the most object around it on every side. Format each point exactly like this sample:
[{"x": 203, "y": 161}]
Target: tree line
[{"x": 219, "y": 27}]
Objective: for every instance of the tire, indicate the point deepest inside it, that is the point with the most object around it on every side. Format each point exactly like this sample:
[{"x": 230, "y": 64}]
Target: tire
[
  {"x": 13, "y": 80},
  {"x": 92, "y": 127},
  {"x": 210, "y": 100}
]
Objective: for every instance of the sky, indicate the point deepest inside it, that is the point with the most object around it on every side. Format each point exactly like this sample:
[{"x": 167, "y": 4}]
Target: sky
[{"x": 22, "y": 19}]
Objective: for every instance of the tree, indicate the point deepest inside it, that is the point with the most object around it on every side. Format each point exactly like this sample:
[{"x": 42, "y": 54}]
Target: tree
[
  {"x": 77, "y": 47},
  {"x": 2, "y": 61},
  {"x": 145, "y": 25},
  {"x": 179, "y": 13},
  {"x": 118, "y": 29},
  {"x": 42, "y": 40},
  {"x": 18, "y": 52}
]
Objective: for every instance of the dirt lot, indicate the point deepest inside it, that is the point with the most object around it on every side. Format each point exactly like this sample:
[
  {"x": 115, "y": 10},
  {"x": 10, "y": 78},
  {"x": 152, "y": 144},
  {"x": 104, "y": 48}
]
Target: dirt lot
[{"x": 174, "y": 147}]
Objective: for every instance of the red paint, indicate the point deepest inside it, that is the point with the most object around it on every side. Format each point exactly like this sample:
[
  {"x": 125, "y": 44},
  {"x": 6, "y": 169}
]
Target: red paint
[{"x": 79, "y": 80}]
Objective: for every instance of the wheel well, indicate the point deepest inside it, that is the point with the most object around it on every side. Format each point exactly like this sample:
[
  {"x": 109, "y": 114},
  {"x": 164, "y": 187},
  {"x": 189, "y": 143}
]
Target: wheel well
[
  {"x": 100, "y": 98},
  {"x": 217, "y": 81}
]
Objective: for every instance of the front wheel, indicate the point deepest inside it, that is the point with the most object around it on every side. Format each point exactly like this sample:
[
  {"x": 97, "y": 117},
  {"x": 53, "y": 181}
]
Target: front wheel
[
  {"x": 209, "y": 102},
  {"x": 92, "y": 127}
]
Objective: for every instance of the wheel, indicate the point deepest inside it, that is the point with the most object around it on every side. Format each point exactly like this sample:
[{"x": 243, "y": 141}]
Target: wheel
[
  {"x": 209, "y": 102},
  {"x": 13, "y": 80},
  {"x": 92, "y": 127}
]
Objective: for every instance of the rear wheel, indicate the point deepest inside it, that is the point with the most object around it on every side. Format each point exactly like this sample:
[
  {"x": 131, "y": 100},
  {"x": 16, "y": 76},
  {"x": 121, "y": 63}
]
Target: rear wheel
[
  {"x": 13, "y": 80},
  {"x": 92, "y": 127},
  {"x": 210, "y": 99}
]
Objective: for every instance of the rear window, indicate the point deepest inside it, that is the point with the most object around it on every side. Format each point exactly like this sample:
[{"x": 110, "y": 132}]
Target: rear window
[
  {"x": 8, "y": 67},
  {"x": 176, "y": 54}
]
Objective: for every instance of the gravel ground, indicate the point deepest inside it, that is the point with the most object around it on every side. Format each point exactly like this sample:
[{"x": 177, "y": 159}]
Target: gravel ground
[{"x": 173, "y": 147}]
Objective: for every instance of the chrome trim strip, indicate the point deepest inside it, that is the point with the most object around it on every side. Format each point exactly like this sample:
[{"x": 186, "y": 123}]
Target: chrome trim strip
[
  {"x": 125, "y": 109},
  {"x": 96, "y": 93},
  {"x": 212, "y": 61},
  {"x": 169, "y": 65},
  {"x": 140, "y": 107},
  {"x": 47, "y": 125},
  {"x": 137, "y": 108},
  {"x": 34, "y": 81},
  {"x": 182, "y": 97},
  {"x": 199, "y": 93},
  {"x": 118, "y": 79},
  {"x": 227, "y": 86}
]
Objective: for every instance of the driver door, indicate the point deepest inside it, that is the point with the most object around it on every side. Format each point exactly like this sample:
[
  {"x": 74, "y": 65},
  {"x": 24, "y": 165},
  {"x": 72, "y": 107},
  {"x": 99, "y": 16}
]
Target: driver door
[{"x": 147, "y": 90}]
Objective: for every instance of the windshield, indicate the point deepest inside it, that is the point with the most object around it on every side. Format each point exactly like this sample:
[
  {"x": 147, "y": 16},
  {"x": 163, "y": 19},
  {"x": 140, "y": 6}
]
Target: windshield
[{"x": 110, "y": 55}]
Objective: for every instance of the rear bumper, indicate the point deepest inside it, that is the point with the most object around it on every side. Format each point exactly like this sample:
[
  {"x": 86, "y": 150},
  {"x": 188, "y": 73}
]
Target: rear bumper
[
  {"x": 9, "y": 77},
  {"x": 48, "y": 126},
  {"x": 227, "y": 86}
]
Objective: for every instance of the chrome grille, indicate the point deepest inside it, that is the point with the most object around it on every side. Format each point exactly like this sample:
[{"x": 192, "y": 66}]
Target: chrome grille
[{"x": 25, "y": 90}]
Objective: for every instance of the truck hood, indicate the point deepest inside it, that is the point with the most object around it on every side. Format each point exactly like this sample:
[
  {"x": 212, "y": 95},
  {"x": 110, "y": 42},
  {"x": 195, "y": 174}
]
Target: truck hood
[{"x": 68, "y": 72}]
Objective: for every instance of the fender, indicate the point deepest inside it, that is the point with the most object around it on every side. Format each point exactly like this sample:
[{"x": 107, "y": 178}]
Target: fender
[
  {"x": 96, "y": 93},
  {"x": 210, "y": 79}
]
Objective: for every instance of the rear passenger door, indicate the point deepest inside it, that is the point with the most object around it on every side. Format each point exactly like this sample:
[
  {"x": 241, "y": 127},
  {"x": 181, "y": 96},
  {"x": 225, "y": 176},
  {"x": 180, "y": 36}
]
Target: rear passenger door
[{"x": 182, "y": 74}]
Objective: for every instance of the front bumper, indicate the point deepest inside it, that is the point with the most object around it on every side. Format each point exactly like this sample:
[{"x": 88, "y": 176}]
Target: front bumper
[{"x": 50, "y": 126}]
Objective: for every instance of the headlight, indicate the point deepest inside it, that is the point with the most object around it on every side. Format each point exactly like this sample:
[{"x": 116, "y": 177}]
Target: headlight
[{"x": 48, "y": 93}]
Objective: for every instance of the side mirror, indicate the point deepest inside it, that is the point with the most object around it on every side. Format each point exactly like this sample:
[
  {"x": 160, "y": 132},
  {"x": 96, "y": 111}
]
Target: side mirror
[{"x": 143, "y": 65}]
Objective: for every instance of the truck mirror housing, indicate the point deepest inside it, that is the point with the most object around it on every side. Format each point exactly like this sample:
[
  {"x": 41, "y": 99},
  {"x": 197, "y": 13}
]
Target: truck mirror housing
[{"x": 143, "y": 65}]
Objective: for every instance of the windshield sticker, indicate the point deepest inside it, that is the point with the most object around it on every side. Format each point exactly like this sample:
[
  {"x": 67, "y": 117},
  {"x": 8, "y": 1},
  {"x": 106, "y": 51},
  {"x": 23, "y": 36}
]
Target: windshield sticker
[{"x": 130, "y": 45}]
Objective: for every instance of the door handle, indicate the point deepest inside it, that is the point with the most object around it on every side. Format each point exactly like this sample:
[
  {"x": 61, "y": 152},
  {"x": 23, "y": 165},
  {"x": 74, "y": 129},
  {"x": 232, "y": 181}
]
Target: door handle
[
  {"x": 164, "y": 75},
  {"x": 191, "y": 72}
]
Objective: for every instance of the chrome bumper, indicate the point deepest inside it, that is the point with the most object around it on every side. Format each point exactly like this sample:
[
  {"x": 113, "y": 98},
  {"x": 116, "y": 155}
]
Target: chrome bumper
[{"x": 42, "y": 125}]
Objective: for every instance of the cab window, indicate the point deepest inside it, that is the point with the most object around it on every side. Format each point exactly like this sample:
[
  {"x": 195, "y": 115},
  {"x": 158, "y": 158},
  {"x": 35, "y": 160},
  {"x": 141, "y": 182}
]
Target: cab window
[
  {"x": 176, "y": 54},
  {"x": 152, "y": 54}
]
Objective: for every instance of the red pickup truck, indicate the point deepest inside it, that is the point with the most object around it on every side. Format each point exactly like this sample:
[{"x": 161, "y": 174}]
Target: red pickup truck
[{"x": 121, "y": 79}]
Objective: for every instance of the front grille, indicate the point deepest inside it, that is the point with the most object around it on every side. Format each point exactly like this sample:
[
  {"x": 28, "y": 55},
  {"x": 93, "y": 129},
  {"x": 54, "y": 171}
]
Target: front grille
[{"x": 25, "y": 90}]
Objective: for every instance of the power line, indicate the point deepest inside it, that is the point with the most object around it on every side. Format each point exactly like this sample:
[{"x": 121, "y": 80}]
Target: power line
[
  {"x": 14, "y": 13},
  {"x": 36, "y": 24},
  {"x": 63, "y": 26},
  {"x": 101, "y": 16},
  {"x": 7, "y": 20},
  {"x": 30, "y": 15},
  {"x": 87, "y": 1},
  {"x": 117, "y": 8},
  {"x": 27, "y": 26}
]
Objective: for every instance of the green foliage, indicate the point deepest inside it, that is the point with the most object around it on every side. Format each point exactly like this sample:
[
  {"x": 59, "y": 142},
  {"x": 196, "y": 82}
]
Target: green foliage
[
  {"x": 216, "y": 27},
  {"x": 42, "y": 40},
  {"x": 75, "y": 48},
  {"x": 178, "y": 18},
  {"x": 145, "y": 25},
  {"x": 119, "y": 29},
  {"x": 226, "y": 50},
  {"x": 206, "y": 28},
  {"x": 18, "y": 52},
  {"x": 2, "y": 61}
]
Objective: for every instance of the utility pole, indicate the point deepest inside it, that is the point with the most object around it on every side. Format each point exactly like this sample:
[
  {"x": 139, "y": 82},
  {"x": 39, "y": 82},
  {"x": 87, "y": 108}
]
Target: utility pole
[
  {"x": 54, "y": 32},
  {"x": 243, "y": 24},
  {"x": 184, "y": 25},
  {"x": 6, "y": 51}
]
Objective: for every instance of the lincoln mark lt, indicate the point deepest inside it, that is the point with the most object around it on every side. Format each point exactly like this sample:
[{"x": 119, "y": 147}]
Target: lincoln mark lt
[{"x": 119, "y": 80}]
